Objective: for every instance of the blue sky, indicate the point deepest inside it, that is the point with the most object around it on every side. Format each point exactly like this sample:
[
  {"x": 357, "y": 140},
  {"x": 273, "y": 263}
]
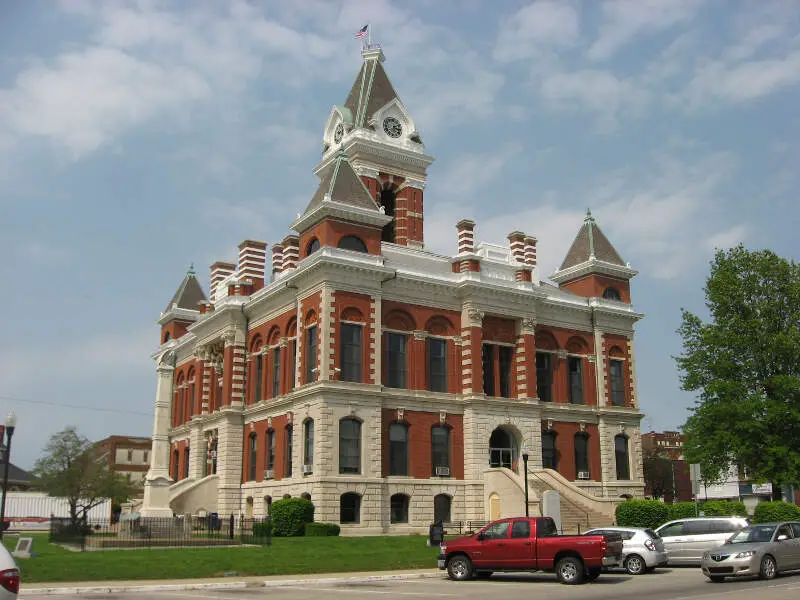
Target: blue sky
[{"x": 139, "y": 137}]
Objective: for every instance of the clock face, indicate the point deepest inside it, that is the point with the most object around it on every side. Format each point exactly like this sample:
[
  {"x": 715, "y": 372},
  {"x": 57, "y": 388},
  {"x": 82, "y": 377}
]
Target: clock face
[
  {"x": 392, "y": 127},
  {"x": 338, "y": 134}
]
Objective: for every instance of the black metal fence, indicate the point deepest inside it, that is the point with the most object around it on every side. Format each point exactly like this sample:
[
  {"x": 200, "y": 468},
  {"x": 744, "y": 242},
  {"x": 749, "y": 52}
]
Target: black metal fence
[{"x": 149, "y": 532}]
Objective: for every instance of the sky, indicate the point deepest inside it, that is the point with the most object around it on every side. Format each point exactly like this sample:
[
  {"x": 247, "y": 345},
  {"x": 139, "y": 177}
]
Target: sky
[{"x": 137, "y": 138}]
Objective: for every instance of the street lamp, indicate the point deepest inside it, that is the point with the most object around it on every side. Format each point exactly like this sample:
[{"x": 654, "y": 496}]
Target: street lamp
[
  {"x": 11, "y": 423},
  {"x": 525, "y": 466}
]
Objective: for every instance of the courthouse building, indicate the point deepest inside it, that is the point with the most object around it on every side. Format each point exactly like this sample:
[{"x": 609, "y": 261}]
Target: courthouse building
[{"x": 390, "y": 384}]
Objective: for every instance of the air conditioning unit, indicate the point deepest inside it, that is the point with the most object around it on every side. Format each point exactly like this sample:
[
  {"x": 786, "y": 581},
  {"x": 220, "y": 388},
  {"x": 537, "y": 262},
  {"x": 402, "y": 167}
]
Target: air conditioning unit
[
  {"x": 583, "y": 474},
  {"x": 443, "y": 471},
  {"x": 308, "y": 469},
  {"x": 269, "y": 474}
]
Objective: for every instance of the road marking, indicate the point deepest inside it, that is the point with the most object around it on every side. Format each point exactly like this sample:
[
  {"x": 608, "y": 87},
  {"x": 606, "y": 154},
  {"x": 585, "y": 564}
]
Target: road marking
[{"x": 349, "y": 590}]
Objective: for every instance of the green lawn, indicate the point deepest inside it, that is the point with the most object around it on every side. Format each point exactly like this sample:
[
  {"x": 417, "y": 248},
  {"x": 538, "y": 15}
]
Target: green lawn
[{"x": 284, "y": 557}]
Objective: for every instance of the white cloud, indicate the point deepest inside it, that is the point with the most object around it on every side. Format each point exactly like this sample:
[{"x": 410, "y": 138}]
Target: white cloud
[
  {"x": 467, "y": 175},
  {"x": 537, "y": 28}
]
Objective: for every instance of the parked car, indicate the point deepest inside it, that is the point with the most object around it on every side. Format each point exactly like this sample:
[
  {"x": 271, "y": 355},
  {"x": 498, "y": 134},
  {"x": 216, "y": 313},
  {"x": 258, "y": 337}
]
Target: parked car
[
  {"x": 642, "y": 549},
  {"x": 685, "y": 540},
  {"x": 9, "y": 575},
  {"x": 529, "y": 544},
  {"x": 765, "y": 550}
]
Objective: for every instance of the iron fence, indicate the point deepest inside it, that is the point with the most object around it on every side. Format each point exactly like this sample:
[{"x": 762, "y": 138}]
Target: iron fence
[{"x": 151, "y": 532}]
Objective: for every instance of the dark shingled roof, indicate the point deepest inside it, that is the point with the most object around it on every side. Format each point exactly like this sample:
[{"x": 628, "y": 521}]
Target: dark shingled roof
[
  {"x": 189, "y": 293},
  {"x": 371, "y": 91},
  {"x": 343, "y": 185},
  {"x": 591, "y": 242},
  {"x": 15, "y": 474}
]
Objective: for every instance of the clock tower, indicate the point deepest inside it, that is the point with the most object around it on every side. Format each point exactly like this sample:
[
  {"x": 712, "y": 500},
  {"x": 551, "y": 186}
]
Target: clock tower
[{"x": 383, "y": 145}]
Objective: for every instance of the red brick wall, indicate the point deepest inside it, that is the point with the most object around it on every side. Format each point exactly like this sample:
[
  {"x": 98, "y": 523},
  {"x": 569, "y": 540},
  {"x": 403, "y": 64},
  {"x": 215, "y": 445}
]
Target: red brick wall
[
  {"x": 592, "y": 286},
  {"x": 565, "y": 447},
  {"x": 354, "y": 308},
  {"x": 175, "y": 329},
  {"x": 311, "y": 308},
  {"x": 618, "y": 345},
  {"x": 575, "y": 342},
  {"x": 181, "y": 448},
  {"x": 269, "y": 334},
  {"x": 260, "y": 429},
  {"x": 329, "y": 233},
  {"x": 420, "y": 458}
]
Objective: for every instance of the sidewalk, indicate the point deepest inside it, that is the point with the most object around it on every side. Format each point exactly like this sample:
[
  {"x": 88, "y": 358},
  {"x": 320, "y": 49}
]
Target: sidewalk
[{"x": 219, "y": 583}]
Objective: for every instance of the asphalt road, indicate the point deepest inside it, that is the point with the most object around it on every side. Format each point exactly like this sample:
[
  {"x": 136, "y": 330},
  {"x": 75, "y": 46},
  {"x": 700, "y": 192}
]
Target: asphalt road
[{"x": 665, "y": 584}]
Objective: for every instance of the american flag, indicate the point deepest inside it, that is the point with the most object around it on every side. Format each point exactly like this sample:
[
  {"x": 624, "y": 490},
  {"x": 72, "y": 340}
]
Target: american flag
[{"x": 362, "y": 32}]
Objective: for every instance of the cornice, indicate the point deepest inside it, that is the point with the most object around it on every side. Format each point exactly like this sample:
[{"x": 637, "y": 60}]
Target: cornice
[
  {"x": 593, "y": 266},
  {"x": 330, "y": 208},
  {"x": 178, "y": 314}
]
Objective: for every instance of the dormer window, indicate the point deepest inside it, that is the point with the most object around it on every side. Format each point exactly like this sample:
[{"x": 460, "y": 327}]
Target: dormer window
[
  {"x": 312, "y": 247},
  {"x": 351, "y": 242},
  {"x": 611, "y": 293}
]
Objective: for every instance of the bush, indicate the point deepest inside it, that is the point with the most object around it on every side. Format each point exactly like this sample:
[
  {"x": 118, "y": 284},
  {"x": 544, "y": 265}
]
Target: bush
[
  {"x": 682, "y": 510},
  {"x": 322, "y": 529},
  {"x": 723, "y": 508},
  {"x": 642, "y": 513},
  {"x": 776, "y": 511},
  {"x": 290, "y": 515}
]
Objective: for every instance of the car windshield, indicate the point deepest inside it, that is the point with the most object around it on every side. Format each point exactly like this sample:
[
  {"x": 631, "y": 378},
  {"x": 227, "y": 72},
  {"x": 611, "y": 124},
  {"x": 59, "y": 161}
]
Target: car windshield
[
  {"x": 756, "y": 533},
  {"x": 652, "y": 534}
]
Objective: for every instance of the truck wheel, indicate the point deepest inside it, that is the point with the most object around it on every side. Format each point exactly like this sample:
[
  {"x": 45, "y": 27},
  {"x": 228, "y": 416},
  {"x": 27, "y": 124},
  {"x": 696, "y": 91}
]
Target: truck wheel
[
  {"x": 459, "y": 568},
  {"x": 634, "y": 564},
  {"x": 569, "y": 570}
]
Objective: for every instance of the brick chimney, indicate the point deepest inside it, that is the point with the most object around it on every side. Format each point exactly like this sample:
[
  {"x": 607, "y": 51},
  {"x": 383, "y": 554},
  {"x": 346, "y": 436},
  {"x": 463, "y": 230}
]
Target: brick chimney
[
  {"x": 530, "y": 251},
  {"x": 277, "y": 260},
  {"x": 252, "y": 261},
  {"x": 291, "y": 252},
  {"x": 219, "y": 271},
  {"x": 466, "y": 236},
  {"x": 516, "y": 240}
]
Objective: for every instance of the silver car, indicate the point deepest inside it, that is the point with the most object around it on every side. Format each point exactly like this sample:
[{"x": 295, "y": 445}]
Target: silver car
[
  {"x": 685, "y": 540},
  {"x": 765, "y": 550},
  {"x": 642, "y": 549}
]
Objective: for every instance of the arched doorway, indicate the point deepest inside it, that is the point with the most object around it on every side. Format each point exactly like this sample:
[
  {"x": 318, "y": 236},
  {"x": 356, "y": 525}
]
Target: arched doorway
[
  {"x": 494, "y": 507},
  {"x": 503, "y": 449}
]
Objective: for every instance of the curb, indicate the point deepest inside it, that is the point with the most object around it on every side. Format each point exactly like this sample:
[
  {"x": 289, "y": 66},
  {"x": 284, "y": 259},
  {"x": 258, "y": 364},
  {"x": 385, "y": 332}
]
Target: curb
[{"x": 233, "y": 585}]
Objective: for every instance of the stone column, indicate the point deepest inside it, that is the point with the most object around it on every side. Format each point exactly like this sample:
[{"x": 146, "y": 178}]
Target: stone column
[
  {"x": 157, "y": 480},
  {"x": 525, "y": 360},
  {"x": 471, "y": 353}
]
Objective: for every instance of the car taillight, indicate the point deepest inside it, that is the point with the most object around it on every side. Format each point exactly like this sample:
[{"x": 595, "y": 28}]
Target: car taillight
[
  {"x": 9, "y": 579},
  {"x": 650, "y": 545},
  {"x": 603, "y": 546}
]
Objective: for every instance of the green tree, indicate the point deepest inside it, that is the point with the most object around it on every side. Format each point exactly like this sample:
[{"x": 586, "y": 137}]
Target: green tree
[
  {"x": 745, "y": 365},
  {"x": 72, "y": 469},
  {"x": 658, "y": 474}
]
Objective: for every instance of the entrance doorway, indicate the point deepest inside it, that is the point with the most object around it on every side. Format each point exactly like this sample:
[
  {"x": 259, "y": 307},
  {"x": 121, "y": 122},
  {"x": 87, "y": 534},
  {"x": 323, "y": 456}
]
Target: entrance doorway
[{"x": 503, "y": 449}]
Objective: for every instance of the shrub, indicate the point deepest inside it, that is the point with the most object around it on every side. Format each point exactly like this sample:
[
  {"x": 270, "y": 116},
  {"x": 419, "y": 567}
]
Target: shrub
[
  {"x": 682, "y": 510},
  {"x": 642, "y": 513},
  {"x": 322, "y": 529},
  {"x": 290, "y": 515},
  {"x": 723, "y": 508},
  {"x": 776, "y": 511}
]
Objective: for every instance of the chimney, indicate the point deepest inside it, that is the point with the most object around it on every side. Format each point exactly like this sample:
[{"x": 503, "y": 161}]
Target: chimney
[
  {"x": 219, "y": 271},
  {"x": 466, "y": 239},
  {"x": 252, "y": 260},
  {"x": 291, "y": 252},
  {"x": 277, "y": 260},
  {"x": 516, "y": 241},
  {"x": 530, "y": 251}
]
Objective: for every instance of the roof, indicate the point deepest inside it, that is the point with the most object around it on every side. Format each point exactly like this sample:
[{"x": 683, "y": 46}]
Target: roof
[
  {"x": 342, "y": 184},
  {"x": 591, "y": 243},
  {"x": 189, "y": 293},
  {"x": 16, "y": 475},
  {"x": 371, "y": 90}
]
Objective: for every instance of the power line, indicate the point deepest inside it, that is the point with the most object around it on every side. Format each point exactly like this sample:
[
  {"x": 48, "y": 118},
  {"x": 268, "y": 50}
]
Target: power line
[{"x": 75, "y": 406}]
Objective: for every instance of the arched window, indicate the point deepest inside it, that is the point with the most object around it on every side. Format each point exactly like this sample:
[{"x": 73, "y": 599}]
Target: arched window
[
  {"x": 611, "y": 293},
  {"x": 441, "y": 508},
  {"x": 399, "y": 508},
  {"x": 175, "y": 458},
  {"x": 387, "y": 200},
  {"x": 398, "y": 449},
  {"x": 440, "y": 450},
  {"x": 582, "y": 455},
  {"x": 549, "y": 455},
  {"x": 349, "y": 446},
  {"x": 166, "y": 337},
  {"x": 305, "y": 496},
  {"x": 308, "y": 446},
  {"x": 253, "y": 455},
  {"x": 312, "y": 246},
  {"x": 259, "y": 374},
  {"x": 186, "y": 462},
  {"x": 623, "y": 460},
  {"x": 350, "y": 508},
  {"x": 269, "y": 464},
  {"x": 288, "y": 450},
  {"x": 352, "y": 242}
]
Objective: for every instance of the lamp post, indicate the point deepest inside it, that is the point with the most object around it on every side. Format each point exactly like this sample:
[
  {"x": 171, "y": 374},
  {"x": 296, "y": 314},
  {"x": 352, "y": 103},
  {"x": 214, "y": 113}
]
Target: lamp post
[
  {"x": 525, "y": 466},
  {"x": 11, "y": 423}
]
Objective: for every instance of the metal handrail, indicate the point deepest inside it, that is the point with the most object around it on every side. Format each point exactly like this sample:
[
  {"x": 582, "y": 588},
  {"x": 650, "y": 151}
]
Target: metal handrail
[{"x": 573, "y": 504}]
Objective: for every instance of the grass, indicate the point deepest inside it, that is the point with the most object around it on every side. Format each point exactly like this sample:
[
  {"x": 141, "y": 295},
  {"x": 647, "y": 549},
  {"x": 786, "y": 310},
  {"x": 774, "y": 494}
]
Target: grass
[{"x": 286, "y": 556}]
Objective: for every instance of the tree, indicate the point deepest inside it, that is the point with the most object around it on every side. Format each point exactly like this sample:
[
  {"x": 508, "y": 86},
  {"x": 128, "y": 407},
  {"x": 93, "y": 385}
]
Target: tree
[
  {"x": 72, "y": 469},
  {"x": 658, "y": 474},
  {"x": 745, "y": 364}
]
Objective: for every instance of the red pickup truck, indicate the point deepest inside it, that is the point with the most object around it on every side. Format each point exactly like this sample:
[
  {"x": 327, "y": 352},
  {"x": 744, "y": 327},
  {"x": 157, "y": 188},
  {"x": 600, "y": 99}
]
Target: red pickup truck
[{"x": 529, "y": 544}]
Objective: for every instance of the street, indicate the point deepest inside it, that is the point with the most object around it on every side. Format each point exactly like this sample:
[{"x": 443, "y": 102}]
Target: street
[{"x": 666, "y": 584}]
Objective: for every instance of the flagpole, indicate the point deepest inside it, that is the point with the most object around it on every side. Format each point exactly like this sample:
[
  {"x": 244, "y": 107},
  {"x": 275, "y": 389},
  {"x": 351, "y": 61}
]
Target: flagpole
[{"x": 369, "y": 35}]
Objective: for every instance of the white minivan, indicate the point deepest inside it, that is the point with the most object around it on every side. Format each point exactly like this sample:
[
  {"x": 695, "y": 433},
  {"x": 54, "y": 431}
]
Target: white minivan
[{"x": 685, "y": 540}]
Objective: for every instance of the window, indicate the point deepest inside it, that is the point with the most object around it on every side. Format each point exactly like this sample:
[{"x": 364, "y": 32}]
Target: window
[
  {"x": 191, "y": 399},
  {"x": 581, "y": 453},
  {"x": 621, "y": 453},
  {"x": 349, "y": 446},
  {"x": 399, "y": 508},
  {"x": 180, "y": 407},
  {"x": 549, "y": 454},
  {"x": 437, "y": 365},
  {"x": 251, "y": 474},
  {"x": 175, "y": 458},
  {"x": 130, "y": 455},
  {"x": 521, "y": 529},
  {"x": 396, "y": 360},
  {"x": 388, "y": 203},
  {"x": 441, "y": 508},
  {"x": 289, "y": 444},
  {"x": 545, "y": 527},
  {"x": 351, "y": 352},
  {"x": 259, "y": 376},
  {"x": 492, "y": 354},
  {"x": 505, "y": 371},
  {"x": 351, "y": 242},
  {"x": 488, "y": 370},
  {"x": 350, "y": 508},
  {"x": 617, "y": 382},
  {"x": 312, "y": 246},
  {"x": 146, "y": 457},
  {"x": 398, "y": 449},
  {"x": 440, "y": 447},
  {"x": 498, "y": 531},
  {"x": 292, "y": 364},
  {"x": 544, "y": 376},
  {"x": 185, "y": 463},
  {"x": 611, "y": 293},
  {"x": 219, "y": 390},
  {"x": 672, "y": 530},
  {"x": 270, "y": 450},
  {"x": 796, "y": 529},
  {"x": 308, "y": 442},
  {"x": 311, "y": 354},
  {"x": 574, "y": 367},
  {"x": 276, "y": 372}
]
